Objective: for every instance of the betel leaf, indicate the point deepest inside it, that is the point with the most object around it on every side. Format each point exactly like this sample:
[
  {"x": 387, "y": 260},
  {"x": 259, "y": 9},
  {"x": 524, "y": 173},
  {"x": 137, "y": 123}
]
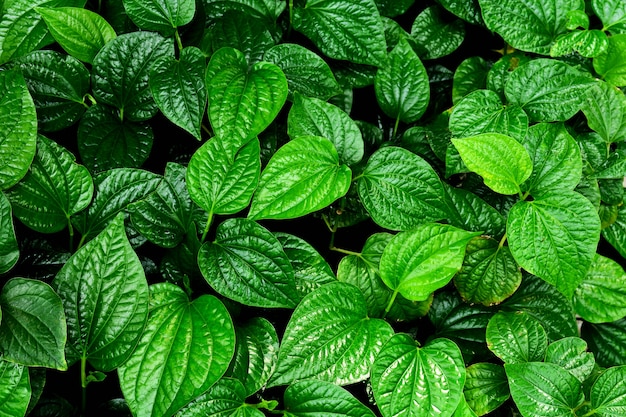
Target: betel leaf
[
  {"x": 502, "y": 161},
  {"x": 243, "y": 99},
  {"x": 571, "y": 353},
  {"x": 333, "y": 342},
  {"x": 303, "y": 176},
  {"x": 612, "y": 13},
  {"x": 419, "y": 261},
  {"x": 268, "y": 9},
  {"x": 615, "y": 234},
  {"x": 608, "y": 393},
  {"x": 607, "y": 341},
  {"x": 184, "y": 349},
  {"x": 486, "y": 387},
  {"x": 81, "y": 32},
  {"x": 9, "y": 250},
  {"x": 605, "y": 109},
  {"x": 243, "y": 32},
  {"x": 601, "y": 296},
  {"x": 18, "y": 128},
  {"x": 467, "y": 211},
  {"x": 588, "y": 43},
  {"x": 226, "y": 398},
  {"x": 105, "y": 297},
  {"x": 349, "y": 30},
  {"x": 15, "y": 389},
  {"x": 33, "y": 329},
  {"x": 548, "y": 90},
  {"x": 306, "y": 72},
  {"x": 393, "y": 8},
  {"x": 121, "y": 71},
  {"x": 501, "y": 71},
  {"x": 178, "y": 89},
  {"x": 435, "y": 34},
  {"x": 531, "y": 25},
  {"x": 464, "y": 410},
  {"x": 468, "y": 10},
  {"x": 314, "y": 117},
  {"x": 246, "y": 263},
  {"x": 516, "y": 337},
  {"x": 470, "y": 75},
  {"x": 321, "y": 399},
  {"x": 400, "y": 190},
  {"x": 418, "y": 381},
  {"x": 611, "y": 64},
  {"x": 54, "y": 189},
  {"x": 543, "y": 389},
  {"x": 163, "y": 16},
  {"x": 555, "y": 237}
]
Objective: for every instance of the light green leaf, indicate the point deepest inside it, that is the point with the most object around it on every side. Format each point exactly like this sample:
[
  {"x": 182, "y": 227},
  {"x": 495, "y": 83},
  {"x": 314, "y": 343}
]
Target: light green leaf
[
  {"x": 33, "y": 329},
  {"x": 418, "y": 381},
  {"x": 612, "y": 13},
  {"x": 571, "y": 354},
  {"x": 105, "y": 296},
  {"x": 18, "y": 128},
  {"x": 588, "y": 43},
  {"x": 314, "y": 117},
  {"x": 608, "y": 393},
  {"x": 185, "y": 348},
  {"x": 611, "y": 64},
  {"x": 469, "y": 76},
  {"x": 607, "y": 341},
  {"x": 516, "y": 337},
  {"x": 601, "y": 296},
  {"x": 502, "y": 161},
  {"x": 9, "y": 251},
  {"x": 543, "y": 389},
  {"x": 303, "y": 176},
  {"x": 344, "y": 29},
  {"x": 464, "y": 410},
  {"x": 555, "y": 237},
  {"x": 226, "y": 398},
  {"x": 178, "y": 89},
  {"x": 333, "y": 342},
  {"x": 268, "y": 9},
  {"x": 486, "y": 387},
  {"x": 246, "y": 263},
  {"x": 244, "y": 32},
  {"x": 435, "y": 34},
  {"x": 55, "y": 188},
  {"x": 605, "y": 110},
  {"x": 322, "y": 399},
  {"x": 467, "y": 211},
  {"x": 417, "y": 262},
  {"x": 400, "y": 190},
  {"x": 82, "y": 33},
  {"x": 548, "y": 90},
  {"x": 163, "y": 16},
  {"x": 15, "y": 389}
]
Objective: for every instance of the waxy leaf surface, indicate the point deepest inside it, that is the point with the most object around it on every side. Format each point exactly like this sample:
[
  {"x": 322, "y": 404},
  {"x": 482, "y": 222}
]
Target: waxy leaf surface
[
  {"x": 226, "y": 398},
  {"x": 15, "y": 390},
  {"x": 611, "y": 65},
  {"x": 9, "y": 250},
  {"x": 608, "y": 393},
  {"x": 571, "y": 353},
  {"x": 435, "y": 34},
  {"x": 601, "y": 296},
  {"x": 160, "y": 15},
  {"x": 486, "y": 387},
  {"x": 516, "y": 337},
  {"x": 322, "y": 399}
]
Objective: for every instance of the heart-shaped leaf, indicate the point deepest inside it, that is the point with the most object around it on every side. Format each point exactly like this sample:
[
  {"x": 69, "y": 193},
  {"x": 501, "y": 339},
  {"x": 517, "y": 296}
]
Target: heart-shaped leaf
[
  {"x": 241, "y": 31},
  {"x": 486, "y": 387},
  {"x": 267, "y": 9},
  {"x": 607, "y": 341},
  {"x": 612, "y": 13},
  {"x": 435, "y": 34},
  {"x": 9, "y": 251},
  {"x": 160, "y": 15},
  {"x": 601, "y": 297},
  {"x": 226, "y": 398},
  {"x": 605, "y": 109},
  {"x": 467, "y": 211},
  {"x": 516, "y": 337},
  {"x": 588, "y": 43},
  {"x": 15, "y": 389},
  {"x": 611, "y": 64},
  {"x": 321, "y": 399},
  {"x": 571, "y": 353},
  {"x": 469, "y": 76},
  {"x": 608, "y": 393}
]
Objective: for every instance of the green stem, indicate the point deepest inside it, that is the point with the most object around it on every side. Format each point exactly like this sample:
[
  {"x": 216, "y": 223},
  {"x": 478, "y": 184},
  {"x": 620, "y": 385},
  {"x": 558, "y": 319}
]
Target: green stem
[
  {"x": 71, "y": 231},
  {"x": 395, "y": 128},
  {"x": 390, "y": 303},
  {"x": 206, "y": 129},
  {"x": 344, "y": 251},
  {"x": 502, "y": 241},
  {"x": 83, "y": 384},
  {"x": 179, "y": 42},
  {"x": 81, "y": 242},
  {"x": 208, "y": 225},
  {"x": 290, "y": 17}
]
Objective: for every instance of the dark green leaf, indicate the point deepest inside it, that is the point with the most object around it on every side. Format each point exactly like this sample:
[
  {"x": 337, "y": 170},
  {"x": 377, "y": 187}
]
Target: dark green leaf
[
  {"x": 608, "y": 393},
  {"x": 393, "y": 8},
  {"x": 605, "y": 109},
  {"x": 9, "y": 251},
  {"x": 243, "y": 32},
  {"x": 501, "y": 70},
  {"x": 15, "y": 389},
  {"x": 322, "y": 399},
  {"x": 268, "y": 9},
  {"x": 435, "y": 35},
  {"x": 607, "y": 341},
  {"x": 486, "y": 387},
  {"x": 163, "y": 16},
  {"x": 467, "y": 211},
  {"x": 601, "y": 296},
  {"x": 226, "y": 398},
  {"x": 516, "y": 337},
  {"x": 611, "y": 64},
  {"x": 615, "y": 234},
  {"x": 470, "y": 75},
  {"x": 466, "y": 10},
  {"x": 571, "y": 354}
]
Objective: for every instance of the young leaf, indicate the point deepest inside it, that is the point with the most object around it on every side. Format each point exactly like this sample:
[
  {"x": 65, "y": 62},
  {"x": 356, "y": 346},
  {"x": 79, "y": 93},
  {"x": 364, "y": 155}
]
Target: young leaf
[
  {"x": 15, "y": 389},
  {"x": 178, "y": 89},
  {"x": 588, "y": 43},
  {"x": 502, "y": 161},
  {"x": 571, "y": 353},
  {"x": 185, "y": 348},
  {"x": 246, "y": 263},
  {"x": 344, "y": 29},
  {"x": 321, "y": 399},
  {"x": 163, "y": 16},
  {"x": 435, "y": 34},
  {"x": 417, "y": 262},
  {"x": 516, "y": 338},
  {"x": 486, "y": 387},
  {"x": 33, "y": 329},
  {"x": 82, "y": 33},
  {"x": 314, "y": 117},
  {"x": 241, "y": 31},
  {"x": 226, "y": 398},
  {"x": 608, "y": 393},
  {"x": 611, "y": 65},
  {"x": 18, "y": 128},
  {"x": 105, "y": 296},
  {"x": 334, "y": 342},
  {"x": 9, "y": 250},
  {"x": 418, "y": 381},
  {"x": 555, "y": 237},
  {"x": 55, "y": 188},
  {"x": 303, "y": 176}
]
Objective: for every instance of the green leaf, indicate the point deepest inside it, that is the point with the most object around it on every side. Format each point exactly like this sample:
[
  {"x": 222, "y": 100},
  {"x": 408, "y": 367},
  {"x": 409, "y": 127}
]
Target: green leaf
[
  {"x": 160, "y": 15},
  {"x": 607, "y": 341},
  {"x": 105, "y": 296},
  {"x": 33, "y": 330},
  {"x": 611, "y": 65},
  {"x": 18, "y": 128},
  {"x": 322, "y": 399},
  {"x": 246, "y": 263},
  {"x": 185, "y": 348},
  {"x": 435, "y": 34},
  {"x": 555, "y": 237},
  {"x": 481, "y": 111},
  {"x": 243, "y": 100},
  {"x": 82, "y": 33},
  {"x": 314, "y": 117},
  {"x": 543, "y": 389},
  {"x": 571, "y": 354},
  {"x": 531, "y": 26},
  {"x": 516, "y": 337},
  {"x": 121, "y": 71},
  {"x": 268, "y": 9},
  {"x": 470, "y": 75},
  {"x": 467, "y": 10},
  {"x": 501, "y": 70},
  {"x": 601, "y": 296},
  {"x": 418, "y": 381},
  {"x": 55, "y": 188},
  {"x": 489, "y": 274},
  {"x": 178, "y": 89},
  {"x": 400, "y": 190},
  {"x": 588, "y": 43},
  {"x": 548, "y": 90},
  {"x": 226, "y": 398},
  {"x": 417, "y": 262},
  {"x": 467, "y": 211},
  {"x": 612, "y": 13},
  {"x": 306, "y": 72},
  {"x": 303, "y": 176},
  {"x": 486, "y": 387},
  {"x": 344, "y": 29},
  {"x": 615, "y": 234},
  {"x": 243, "y": 32},
  {"x": 333, "y": 342},
  {"x": 502, "y": 161},
  {"x": 393, "y": 8},
  {"x": 464, "y": 410},
  {"x": 15, "y": 389},
  {"x": 608, "y": 393},
  {"x": 9, "y": 251}
]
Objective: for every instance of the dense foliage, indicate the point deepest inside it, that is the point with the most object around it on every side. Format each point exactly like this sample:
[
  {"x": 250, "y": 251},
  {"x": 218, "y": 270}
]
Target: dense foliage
[{"x": 312, "y": 208}]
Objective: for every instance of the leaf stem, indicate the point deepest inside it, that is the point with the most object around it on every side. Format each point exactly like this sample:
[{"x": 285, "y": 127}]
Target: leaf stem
[
  {"x": 502, "y": 241},
  {"x": 290, "y": 17},
  {"x": 344, "y": 251},
  {"x": 390, "y": 303},
  {"x": 71, "y": 232},
  {"x": 81, "y": 242},
  {"x": 83, "y": 384},
  {"x": 209, "y": 220},
  {"x": 395, "y": 128},
  {"x": 179, "y": 42}
]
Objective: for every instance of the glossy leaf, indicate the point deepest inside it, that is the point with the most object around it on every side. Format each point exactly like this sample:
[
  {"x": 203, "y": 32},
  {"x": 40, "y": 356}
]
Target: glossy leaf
[
  {"x": 607, "y": 393},
  {"x": 605, "y": 110},
  {"x": 321, "y": 399},
  {"x": 502, "y": 69},
  {"x": 469, "y": 76},
  {"x": 516, "y": 338},
  {"x": 226, "y": 398},
  {"x": 467, "y": 211},
  {"x": 303, "y": 176},
  {"x": 268, "y": 9},
  {"x": 333, "y": 342},
  {"x": 15, "y": 389},
  {"x": 601, "y": 296},
  {"x": 611, "y": 65},
  {"x": 160, "y": 15},
  {"x": 243, "y": 32},
  {"x": 185, "y": 348},
  {"x": 418, "y": 381},
  {"x": 32, "y": 330},
  {"x": 435, "y": 34},
  {"x": 486, "y": 387},
  {"x": 607, "y": 341},
  {"x": 612, "y": 13},
  {"x": 468, "y": 11},
  {"x": 9, "y": 250},
  {"x": 588, "y": 43},
  {"x": 246, "y": 263},
  {"x": 571, "y": 353},
  {"x": 615, "y": 234}
]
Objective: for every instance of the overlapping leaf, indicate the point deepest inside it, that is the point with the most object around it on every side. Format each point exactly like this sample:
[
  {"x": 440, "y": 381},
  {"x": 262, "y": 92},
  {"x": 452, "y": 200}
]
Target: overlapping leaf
[
  {"x": 612, "y": 13},
  {"x": 321, "y": 399},
  {"x": 611, "y": 65},
  {"x": 607, "y": 393},
  {"x": 268, "y": 9},
  {"x": 163, "y": 16},
  {"x": 15, "y": 390},
  {"x": 571, "y": 353},
  {"x": 9, "y": 251},
  {"x": 435, "y": 34},
  {"x": 226, "y": 398},
  {"x": 467, "y": 211},
  {"x": 243, "y": 32},
  {"x": 516, "y": 338},
  {"x": 469, "y": 76},
  {"x": 607, "y": 341},
  {"x": 486, "y": 387},
  {"x": 601, "y": 297}
]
